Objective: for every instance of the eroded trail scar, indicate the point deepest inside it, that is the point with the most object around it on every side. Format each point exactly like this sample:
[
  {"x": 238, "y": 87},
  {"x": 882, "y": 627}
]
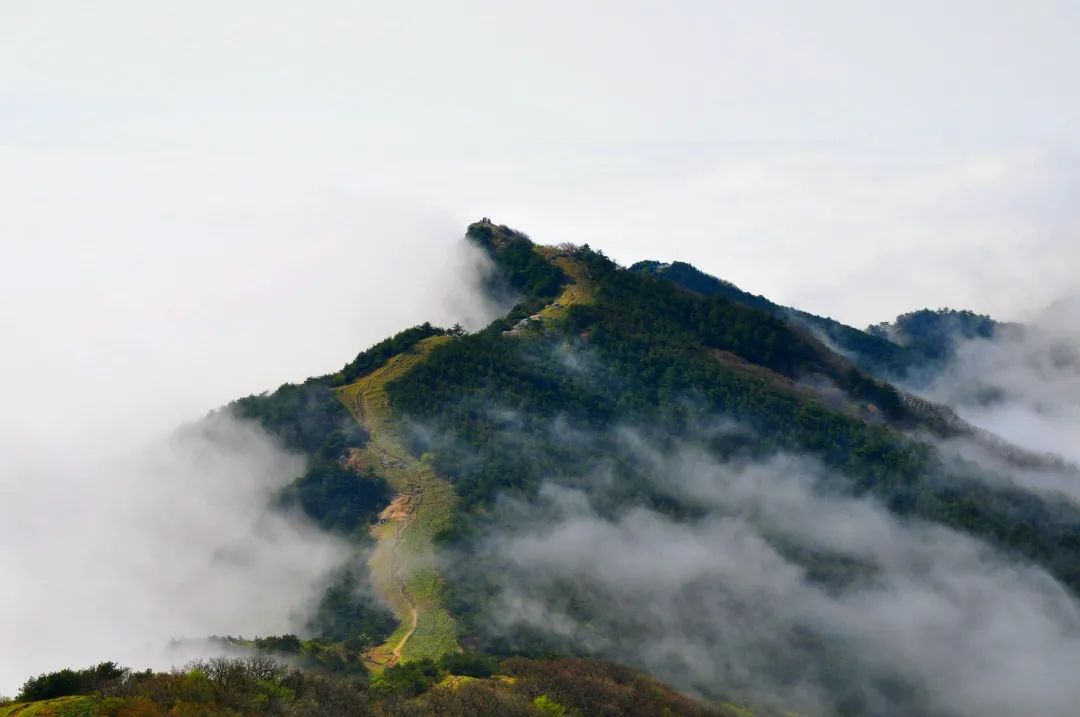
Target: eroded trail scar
[
  {"x": 423, "y": 505},
  {"x": 399, "y": 513},
  {"x": 399, "y": 534}
]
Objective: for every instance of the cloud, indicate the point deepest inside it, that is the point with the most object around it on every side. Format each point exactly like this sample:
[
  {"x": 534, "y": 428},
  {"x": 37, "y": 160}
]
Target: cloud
[
  {"x": 111, "y": 559},
  {"x": 140, "y": 291},
  {"x": 785, "y": 592},
  {"x": 347, "y": 73},
  {"x": 146, "y": 289},
  {"x": 1023, "y": 384}
]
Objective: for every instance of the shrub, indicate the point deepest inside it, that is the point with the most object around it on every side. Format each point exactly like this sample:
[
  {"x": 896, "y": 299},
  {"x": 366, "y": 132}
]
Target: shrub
[{"x": 66, "y": 682}]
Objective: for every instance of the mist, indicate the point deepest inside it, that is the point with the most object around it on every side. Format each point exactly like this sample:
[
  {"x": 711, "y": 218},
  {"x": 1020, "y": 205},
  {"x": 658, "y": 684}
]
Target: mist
[
  {"x": 1023, "y": 384},
  {"x": 145, "y": 290},
  {"x": 115, "y": 558},
  {"x": 141, "y": 295},
  {"x": 933, "y": 621}
]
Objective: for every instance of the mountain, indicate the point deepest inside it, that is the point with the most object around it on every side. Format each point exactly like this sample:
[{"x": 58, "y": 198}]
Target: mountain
[
  {"x": 649, "y": 465},
  {"x": 916, "y": 342},
  {"x": 935, "y": 334}
]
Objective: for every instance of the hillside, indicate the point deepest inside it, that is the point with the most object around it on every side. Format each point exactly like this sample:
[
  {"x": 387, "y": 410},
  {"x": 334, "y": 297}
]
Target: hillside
[
  {"x": 600, "y": 471},
  {"x": 918, "y": 342},
  {"x": 458, "y": 423},
  {"x": 462, "y": 686}
]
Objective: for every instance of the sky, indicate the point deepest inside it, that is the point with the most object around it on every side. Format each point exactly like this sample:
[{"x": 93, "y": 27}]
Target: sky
[
  {"x": 203, "y": 200},
  {"x": 200, "y": 162},
  {"x": 809, "y": 152}
]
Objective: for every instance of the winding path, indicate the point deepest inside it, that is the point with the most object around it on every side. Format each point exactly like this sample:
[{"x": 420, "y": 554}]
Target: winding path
[
  {"x": 422, "y": 505},
  {"x": 400, "y": 532}
]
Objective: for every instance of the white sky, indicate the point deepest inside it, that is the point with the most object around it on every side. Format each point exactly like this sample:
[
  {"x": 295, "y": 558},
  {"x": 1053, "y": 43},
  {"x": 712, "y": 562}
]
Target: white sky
[{"x": 206, "y": 198}]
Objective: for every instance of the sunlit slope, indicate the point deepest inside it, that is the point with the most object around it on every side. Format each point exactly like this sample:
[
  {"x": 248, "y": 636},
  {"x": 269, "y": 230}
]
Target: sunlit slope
[
  {"x": 423, "y": 506},
  {"x": 424, "y": 502},
  {"x": 579, "y": 287},
  {"x": 60, "y": 707}
]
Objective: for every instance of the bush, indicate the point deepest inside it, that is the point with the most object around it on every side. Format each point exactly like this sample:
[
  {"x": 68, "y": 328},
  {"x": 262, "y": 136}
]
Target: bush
[
  {"x": 408, "y": 679},
  {"x": 336, "y": 497},
  {"x": 469, "y": 664},
  {"x": 67, "y": 682}
]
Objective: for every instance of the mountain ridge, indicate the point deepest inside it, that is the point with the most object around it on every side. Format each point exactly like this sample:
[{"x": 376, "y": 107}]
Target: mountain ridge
[
  {"x": 424, "y": 448},
  {"x": 570, "y": 296}
]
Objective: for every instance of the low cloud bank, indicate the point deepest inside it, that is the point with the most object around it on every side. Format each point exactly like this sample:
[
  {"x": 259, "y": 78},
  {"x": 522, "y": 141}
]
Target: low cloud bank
[
  {"x": 780, "y": 590},
  {"x": 1023, "y": 384},
  {"x": 113, "y": 558},
  {"x": 140, "y": 291}
]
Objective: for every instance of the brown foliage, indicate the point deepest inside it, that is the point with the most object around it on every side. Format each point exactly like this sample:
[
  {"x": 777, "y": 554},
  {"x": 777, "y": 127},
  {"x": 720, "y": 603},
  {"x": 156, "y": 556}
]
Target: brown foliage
[{"x": 602, "y": 689}]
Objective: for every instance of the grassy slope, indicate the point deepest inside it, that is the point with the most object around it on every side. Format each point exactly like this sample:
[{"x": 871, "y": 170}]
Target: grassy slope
[
  {"x": 579, "y": 290},
  {"x": 59, "y": 707},
  {"x": 425, "y": 505},
  {"x": 425, "y": 502}
]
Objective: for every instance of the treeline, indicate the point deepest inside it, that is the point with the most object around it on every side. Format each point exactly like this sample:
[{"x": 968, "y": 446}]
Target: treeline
[
  {"x": 471, "y": 685},
  {"x": 871, "y": 351},
  {"x": 307, "y": 418},
  {"x": 934, "y": 334},
  {"x": 337, "y": 498},
  {"x": 70, "y": 682},
  {"x": 370, "y": 359},
  {"x": 348, "y": 612}
]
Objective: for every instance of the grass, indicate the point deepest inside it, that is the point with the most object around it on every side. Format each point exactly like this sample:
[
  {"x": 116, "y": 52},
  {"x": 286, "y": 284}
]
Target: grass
[
  {"x": 577, "y": 291},
  {"x": 400, "y": 564},
  {"x": 59, "y": 707}
]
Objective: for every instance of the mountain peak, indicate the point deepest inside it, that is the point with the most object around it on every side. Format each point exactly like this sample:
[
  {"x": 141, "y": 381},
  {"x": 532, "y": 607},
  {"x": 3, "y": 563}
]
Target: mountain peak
[{"x": 491, "y": 236}]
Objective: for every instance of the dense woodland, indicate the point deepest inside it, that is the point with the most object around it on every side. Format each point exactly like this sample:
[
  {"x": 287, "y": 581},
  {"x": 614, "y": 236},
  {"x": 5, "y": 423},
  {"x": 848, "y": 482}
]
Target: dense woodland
[
  {"x": 641, "y": 355},
  {"x": 914, "y": 345}
]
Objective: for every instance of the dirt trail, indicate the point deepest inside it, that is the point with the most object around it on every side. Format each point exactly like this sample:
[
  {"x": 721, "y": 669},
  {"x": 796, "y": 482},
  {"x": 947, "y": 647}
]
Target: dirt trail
[
  {"x": 413, "y": 617},
  {"x": 384, "y": 454},
  {"x": 400, "y": 512}
]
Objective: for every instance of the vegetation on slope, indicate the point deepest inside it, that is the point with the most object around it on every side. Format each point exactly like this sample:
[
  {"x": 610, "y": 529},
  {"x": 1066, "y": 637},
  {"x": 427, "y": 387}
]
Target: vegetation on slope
[
  {"x": 448, "y": 421},
  {"x": 424, "y": 506},
  {"x": 57, "y": 707},
  {"x": 374, "y": 357},
  {"x": 643, "y": 352},
  {"x": 919, "y": 341},
  {"x": 455, "y": 685},
  {"x": 523, "y": 270},
  {"x": 933, "y": 335},
  {"x": 349, "y": 482}
]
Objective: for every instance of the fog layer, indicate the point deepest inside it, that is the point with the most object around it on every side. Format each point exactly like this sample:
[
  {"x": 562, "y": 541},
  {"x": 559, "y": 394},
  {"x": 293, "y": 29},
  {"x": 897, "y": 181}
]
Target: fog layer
[
  {"x": 921, "y": 618},
  {"x": 1024, "y": 383},
  {"x": 112, "y": 559},
  {"x": 138, "y": 296}
]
